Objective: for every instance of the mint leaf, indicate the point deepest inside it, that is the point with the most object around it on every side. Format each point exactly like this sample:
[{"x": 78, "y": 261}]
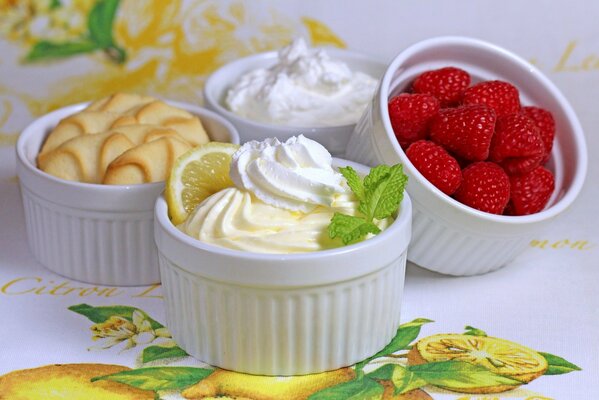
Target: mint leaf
[
  {"x": 100, "y": 20},
  {"x": 380, "y": 194},
  {"x": 357, "y": 389},
  {"x": 457, "y": 375},
  {"x": 472, "y": 331},
  {"x": 353, "y": 181},
  {"x": 406, "y": 334},
  {"x": 558, "y": 365},
  {"x": 102, "y": 313},
  {"x": 375, "y": 176},
  {"x": 46, "y": 49},
  {"x": 350, "y": 228},
  {"x": 152, "y": 353},
  {"x": 158, "y": 378},
  {"x": 384, "y": 191}
]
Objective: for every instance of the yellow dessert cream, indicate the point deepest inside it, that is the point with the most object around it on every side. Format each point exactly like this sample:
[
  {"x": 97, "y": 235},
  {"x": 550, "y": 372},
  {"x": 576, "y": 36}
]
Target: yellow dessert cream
[{"x": 284, "y": 197}]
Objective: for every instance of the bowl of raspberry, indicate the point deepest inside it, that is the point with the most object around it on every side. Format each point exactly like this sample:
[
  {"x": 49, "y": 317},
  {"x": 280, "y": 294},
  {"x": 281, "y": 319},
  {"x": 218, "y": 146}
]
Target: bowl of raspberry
[{"x": 493, "y": 150}]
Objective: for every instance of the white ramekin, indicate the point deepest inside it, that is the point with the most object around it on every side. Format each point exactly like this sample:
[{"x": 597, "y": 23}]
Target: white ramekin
[
  {"x": 283, "y": 314},
  {"x": 334, "y": 138},
  {"x": 101, "y": 234},
  {"x": 449, "y": 237}
]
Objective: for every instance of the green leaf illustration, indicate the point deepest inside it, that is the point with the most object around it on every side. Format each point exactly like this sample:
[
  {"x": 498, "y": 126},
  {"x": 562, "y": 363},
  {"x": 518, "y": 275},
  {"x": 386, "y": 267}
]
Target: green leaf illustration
[
  {"x": 153, "y": 353},
  {"x": 100, "y": 20},
  {"x": 403, "y": 379},
  {"x": 102, "y": 313},
  {"x": 406, "y": 333},
  {"x": 470, "y": 330},
  {"x": 460, "y": 375},
  {"x": 159, "y": 378},
  {"x": 100, "y": 23},
  {"x": 357, "y": 389},
  {"x": 558, "y": 365},
  {"x": 383, "y": 373},
  {"x": 46, "y": 49}
]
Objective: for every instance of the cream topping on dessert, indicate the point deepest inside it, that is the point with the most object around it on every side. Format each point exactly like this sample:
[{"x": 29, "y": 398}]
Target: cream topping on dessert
[
  {"x": 238, "y": 220},
  {"x": 284, "y": 197},
  {"x": 295, "y": 175},
  {"x": 306, "y": 87}
]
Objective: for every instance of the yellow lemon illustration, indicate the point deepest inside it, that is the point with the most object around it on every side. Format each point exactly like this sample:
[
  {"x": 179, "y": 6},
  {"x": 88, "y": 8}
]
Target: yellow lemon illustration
[
  {"x": 320, "y": 34},
  {"x": 497, "y": 355},
  {"x": 243, "y": 386},
  {"x": 68, "y": 381},
  {"x": 197, "y": 174}
]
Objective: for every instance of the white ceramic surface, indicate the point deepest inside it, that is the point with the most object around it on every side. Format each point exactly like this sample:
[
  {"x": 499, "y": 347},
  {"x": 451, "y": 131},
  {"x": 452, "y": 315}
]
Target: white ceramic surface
[
  {"x": 283, "y": 314},
  {"x": 334, "y": 138},
  {"x": 448, "y": 236},
  {"x": 101, "y": 234}
]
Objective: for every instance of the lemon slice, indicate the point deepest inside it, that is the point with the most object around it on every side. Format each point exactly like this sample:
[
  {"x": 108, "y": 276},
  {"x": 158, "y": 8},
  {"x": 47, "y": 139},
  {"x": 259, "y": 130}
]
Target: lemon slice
[
  {"x": 498, "y": 355},
  {"x": 197, "y": 174}
]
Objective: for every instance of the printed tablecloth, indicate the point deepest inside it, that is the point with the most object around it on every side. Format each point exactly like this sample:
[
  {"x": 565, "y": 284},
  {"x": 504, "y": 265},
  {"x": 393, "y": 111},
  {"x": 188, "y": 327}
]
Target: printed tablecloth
[{"x": 65, "y": 338}]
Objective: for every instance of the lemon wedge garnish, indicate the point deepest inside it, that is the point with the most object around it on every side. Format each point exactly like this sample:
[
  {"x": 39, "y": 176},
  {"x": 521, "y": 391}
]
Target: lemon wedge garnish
[{"x": 197, "y": 174}]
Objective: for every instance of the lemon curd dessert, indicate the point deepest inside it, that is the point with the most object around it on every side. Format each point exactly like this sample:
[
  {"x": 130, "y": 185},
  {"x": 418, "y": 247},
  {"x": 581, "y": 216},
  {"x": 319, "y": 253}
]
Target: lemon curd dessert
[
  {"x": 257, "y": 233},
  {"x": 121, "y": 139},
  {"x": 279, "y": 197}
]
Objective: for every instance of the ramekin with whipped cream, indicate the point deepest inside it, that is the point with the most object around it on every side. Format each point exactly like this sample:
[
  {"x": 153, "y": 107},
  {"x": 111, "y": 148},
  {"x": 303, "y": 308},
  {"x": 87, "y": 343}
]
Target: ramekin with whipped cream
[
  {"x": 253, "y": 284},
  {"x": 315, "y": 91}
]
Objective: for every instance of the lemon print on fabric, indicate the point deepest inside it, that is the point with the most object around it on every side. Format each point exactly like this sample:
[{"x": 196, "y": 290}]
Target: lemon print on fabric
[
  {"x": 68, "y": 381},
  {"x": 500, "y": 356},
  {"x": 390, "y": 393},
  {"x": 320, "y": 34},
  {"x": 238, "y": 385}
]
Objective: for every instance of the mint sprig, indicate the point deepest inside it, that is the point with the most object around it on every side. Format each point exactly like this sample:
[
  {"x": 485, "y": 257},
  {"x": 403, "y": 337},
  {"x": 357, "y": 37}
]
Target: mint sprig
[{"x": 379, "y": 193}]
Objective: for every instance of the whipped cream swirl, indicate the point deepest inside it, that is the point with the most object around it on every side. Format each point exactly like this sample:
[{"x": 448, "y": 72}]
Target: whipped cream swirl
[
  {"x": 296, "y": 175},
  {"x": 304, "y": 88}
]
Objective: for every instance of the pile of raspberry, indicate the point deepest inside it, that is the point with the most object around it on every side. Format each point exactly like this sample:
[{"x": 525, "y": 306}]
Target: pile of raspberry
[{"x": 476, "y": 143}]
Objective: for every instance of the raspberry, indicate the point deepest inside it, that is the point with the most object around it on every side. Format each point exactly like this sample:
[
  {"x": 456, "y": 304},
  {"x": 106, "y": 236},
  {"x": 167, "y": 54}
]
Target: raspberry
[
  {"x": 543, "y": 119},
  {"x": 530, "y": 192},
  {"x": 446, "y": 84},
  {"x": 440, "y": 168},
  {"x": 410, "y": 116},
  {"x": 485, "y": 186},
  {"x": 517, "y": 145},
  {"x": 467, "y": 131},
  {"x": 503, "y": 97}
]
